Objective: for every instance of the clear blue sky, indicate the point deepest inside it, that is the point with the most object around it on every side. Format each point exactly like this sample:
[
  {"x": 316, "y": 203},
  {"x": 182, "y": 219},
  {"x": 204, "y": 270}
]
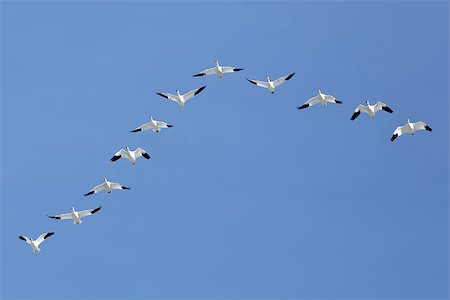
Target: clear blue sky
[{"x": 245, "y": 197}]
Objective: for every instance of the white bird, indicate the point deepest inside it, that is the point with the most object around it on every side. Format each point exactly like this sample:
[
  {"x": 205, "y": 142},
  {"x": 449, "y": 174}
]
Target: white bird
[
  {"x": 320, "y": 98},
  {"x": 370, "y": 109},
  {"x": 410, "y": 128},
  {"x": 181, "y": 99},
  {"x": 76, "y": 215},
  {"x": 154, "y": 125},
  {"x": 271, "y": 85},
  {"x": 131, "y": 155},
  {"x": 107, "y": 186},
  {"x": 218, "y": 70},
  {"x": 35, "y": 243}
]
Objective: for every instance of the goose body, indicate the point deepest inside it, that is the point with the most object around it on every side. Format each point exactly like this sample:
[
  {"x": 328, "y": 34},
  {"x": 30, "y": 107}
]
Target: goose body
[
  {"x": 76, "y": 215},
  {"x": 218, "y": 70},
  {"x": 35, "y": 243},
  {"x": 106, "y": 186},
  {"x": 370, "y": 109},
  {"x": 182, "y": 98},
  {"x": 410, "y": 128},
  {"x": 271, "y": 85},
  {"x": 130, "y": 154},
  {"x": 320, "y": 98},
  {"x": 154, "y": 125}
]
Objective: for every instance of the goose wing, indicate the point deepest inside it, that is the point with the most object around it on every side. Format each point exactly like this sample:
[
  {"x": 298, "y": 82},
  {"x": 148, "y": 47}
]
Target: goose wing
[
  {"x": 88, "y": 212},
  {"x": 96, "y": 189},
  {"x": 62, "y": 216},
  {"x": 282, "y": 80},
  {"x": 117, "y": 186},
  {"x": 192, "y": 93},
  {"x": 399, "y": 131},
  {"x": 358, "y": 110},
  {"x": 141, "y": 152},
  {"x": 25, "y": 238},
  {"x": 119, "y": 154},
  {"x": 206, "y": 72},
  {"x": 331, "y": 99},
  {"x": 311, "y": 101},
  {"x": 421, "y": 126},
  {"x": 169, "y": 96},
  {"x": 162, "y": 124},
  {"x": 383, "y": 106},
  {"x": 259, "y": 83},
  {"x": 231, "y": 69},
  {"x": 143, "y": 127},
  {"x": 43, "y": 236}
]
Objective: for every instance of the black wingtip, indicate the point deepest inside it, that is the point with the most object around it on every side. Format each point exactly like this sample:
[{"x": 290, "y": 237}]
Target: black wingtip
[
  {"x": 428, "y": 128},
  {"x": 290, "y": 76},
  {"x": 199, "y": 75},
  {"x": 169, "y": 125},
  {"x": 200, "y": 89},
  {"x": 54, "y": 217},
  {"x": 146, "y": 155},
  {"x": 355, "y": 115},
  {"x": 394, "y": 136},
  {"x": 90, "y": 193},
  {"x": 338, "y": 101},
  {"x": 96, "y": 210},
  {"x": 303, "y": 106},
  {"x": 250, "y": 80},
  {"x": 22, "y": 238},
  {"x": 388, "y": 109},
  {"x": 136, "y": 130},
  {"x": 114, "y": 158},
  {"x": 162, "y": 95},
  {"x": 48, "y": 235},
  {"x": 125, "y": 188},
  {"x": 237, "y": 69}
]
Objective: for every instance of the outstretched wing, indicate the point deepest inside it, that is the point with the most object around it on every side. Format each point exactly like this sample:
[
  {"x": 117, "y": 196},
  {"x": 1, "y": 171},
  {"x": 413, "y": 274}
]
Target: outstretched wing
[
  {"x": 421, "y": 126},
  {"x": 206, "y": 72},
  {"x": 358, "y": 110},
  {"x": 117, "y": 186},
  {"x": 61, "y": 216},
  {"x": 383, "y": 106},
  {"x": 231, "y": 69},
  {"x": 141, "y": 152},
  {"x": 88, "y": 212},
  {"x": 192, "y": 93},
  {"x": 311, "y": 101},
  {"x": 399, "y": 131},
  {"x": 43, "y": 236},
  {"x": 119, "y": 154},
  {"x": 259, "y": 83},
  {"x": 169, "y": 96},
  {"x": 25, "y": 238},
  {"x": 96, "y": 189},
  {"x": 331, "y": 99},
  {"x": 282, "y": 80}
]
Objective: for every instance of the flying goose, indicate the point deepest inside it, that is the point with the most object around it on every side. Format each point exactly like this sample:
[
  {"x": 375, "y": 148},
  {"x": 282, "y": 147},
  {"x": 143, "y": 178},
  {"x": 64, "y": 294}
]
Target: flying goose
[
  {"x": 107, "y": 186},
  {"x": 218, "y": 70},
  {"x": 154, "y": 125},
  {"x": 76, "y": 215},
  {"x": 271, "y": 85},
  {"x": 410, "y": 128},
  {"x": 131, "y": 155},
  {"x": 35, "y": 243},
  {"x": 181, "y": 99},
  {"x": 370, "y": 109},
  {"x": 320, "y": 98}
]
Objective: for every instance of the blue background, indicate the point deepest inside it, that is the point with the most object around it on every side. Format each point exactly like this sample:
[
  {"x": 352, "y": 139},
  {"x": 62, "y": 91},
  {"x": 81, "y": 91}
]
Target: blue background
[{"x": 245, "y": 197}]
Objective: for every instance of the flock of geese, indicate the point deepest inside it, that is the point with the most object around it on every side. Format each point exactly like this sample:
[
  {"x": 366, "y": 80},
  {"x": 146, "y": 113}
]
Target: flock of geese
[{"x": 156, "y": 126}]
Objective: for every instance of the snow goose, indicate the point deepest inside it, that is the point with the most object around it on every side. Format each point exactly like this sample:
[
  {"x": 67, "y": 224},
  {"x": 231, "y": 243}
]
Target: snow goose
[
  {"x": 271, "y": 85},
  {"x": 181, "y": 99},
  {"x": 35, "y": 243},
  {"x": 410, "y": 128},
  {"x": 218, "y": 70},
  {"x": 320, "y": 98},
  {"x": 370, "y": 109},
  {"x": 107, "y": 186},
  {"x": 76, "y": 215},
  {"x": 130, "y": 155},
  {"x": 154, "y": 125}
]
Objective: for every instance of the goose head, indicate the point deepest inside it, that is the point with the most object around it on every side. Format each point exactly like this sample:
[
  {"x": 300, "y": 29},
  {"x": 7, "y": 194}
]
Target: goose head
[
  {"x": 268, "y": 79},
  {"x": 367, "y": 102}
]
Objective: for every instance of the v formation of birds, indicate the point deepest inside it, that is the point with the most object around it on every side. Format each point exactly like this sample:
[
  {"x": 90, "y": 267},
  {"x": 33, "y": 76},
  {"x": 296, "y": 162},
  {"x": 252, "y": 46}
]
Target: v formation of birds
[{"x": 181, "y": 99}]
